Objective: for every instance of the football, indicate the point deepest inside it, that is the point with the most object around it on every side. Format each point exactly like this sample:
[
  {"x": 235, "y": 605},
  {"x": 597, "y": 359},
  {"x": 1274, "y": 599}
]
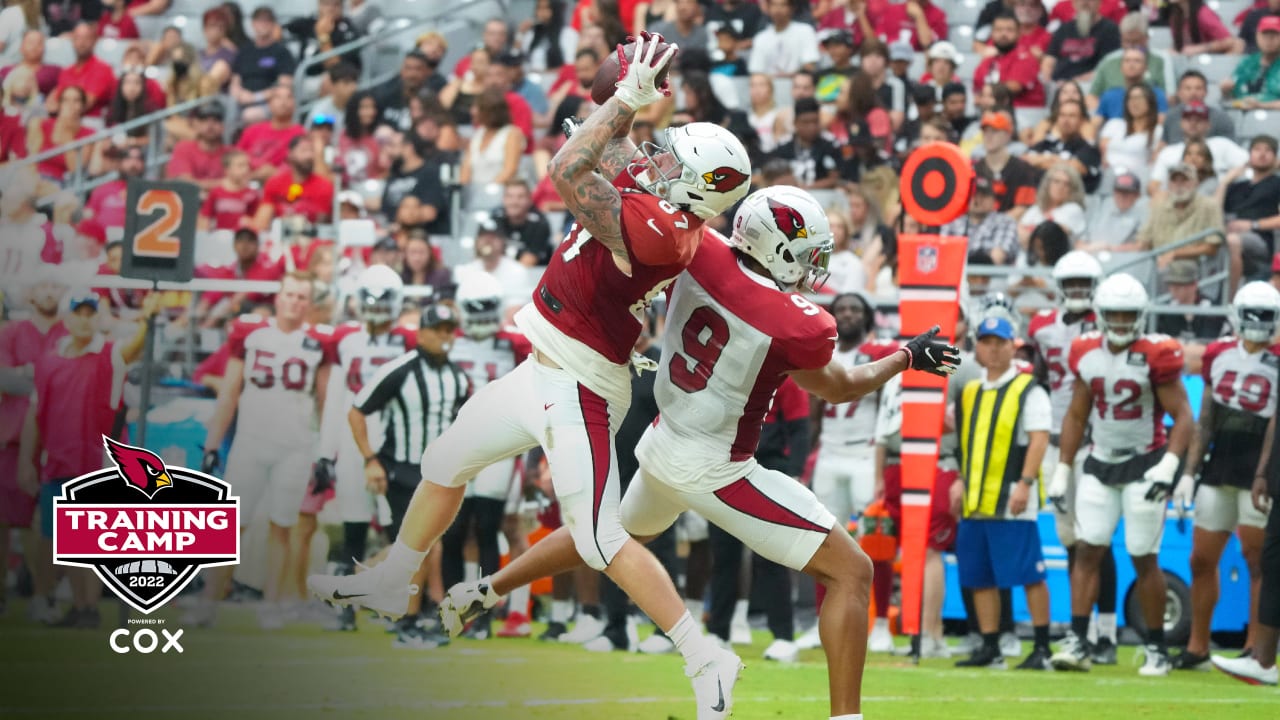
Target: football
[{"x": 607, "y": 76}]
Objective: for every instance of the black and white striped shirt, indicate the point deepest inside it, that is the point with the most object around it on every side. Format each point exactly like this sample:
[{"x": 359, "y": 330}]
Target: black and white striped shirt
[{"x": 417, "y": 399}]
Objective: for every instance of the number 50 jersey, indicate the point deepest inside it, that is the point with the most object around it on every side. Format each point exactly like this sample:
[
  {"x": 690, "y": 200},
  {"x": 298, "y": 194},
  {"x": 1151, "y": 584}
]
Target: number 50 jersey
[
  {"x": 277, "y": 403},
  {"x": 731, "y": 337},
  {"x": 1126, "y": 417}
]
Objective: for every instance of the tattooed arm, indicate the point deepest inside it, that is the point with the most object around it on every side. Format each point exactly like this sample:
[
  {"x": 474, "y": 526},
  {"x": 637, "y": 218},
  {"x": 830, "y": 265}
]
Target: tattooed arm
[
  {"x": 593, "y": 200},
  {"x": 618, "y": 154}
]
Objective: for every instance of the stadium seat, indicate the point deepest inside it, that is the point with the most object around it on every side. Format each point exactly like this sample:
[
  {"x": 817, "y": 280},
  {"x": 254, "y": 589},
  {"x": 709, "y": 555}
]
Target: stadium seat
[
  {"x": 150, "y": 27},
  {"x": 110, "y": 51},
  {"x": 1216, "y": 68},
  {"x": 192, "y": 28},
  {"x": 1029, "y": 117},
  {"x": 1256, "y": 122},
  {"x": 1160, "y": 38},
  {"x": 963, "y": 14},
  {"x": 1228, "y": 10},
  {"x": 192, "y": 7},
  {"x": 58, "y": 51},
  {"x": 781, "y": 91}
]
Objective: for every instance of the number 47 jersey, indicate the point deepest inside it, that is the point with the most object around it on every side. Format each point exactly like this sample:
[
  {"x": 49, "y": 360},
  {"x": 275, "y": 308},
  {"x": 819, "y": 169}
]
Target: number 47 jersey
[
  {"x": 1126, "y": 417},
  {"x": 731, "y": 337}
]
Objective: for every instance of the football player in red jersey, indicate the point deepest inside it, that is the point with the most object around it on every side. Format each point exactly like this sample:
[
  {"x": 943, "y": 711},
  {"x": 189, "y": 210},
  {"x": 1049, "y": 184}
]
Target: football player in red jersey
[
  {"x": 632, "y": 238},
  {"x": 1240, "y": 378},
  {"x": 737, "y": 327},
  {"x": 1124, "y": 384},
  {"x": 274, "y": 385}
]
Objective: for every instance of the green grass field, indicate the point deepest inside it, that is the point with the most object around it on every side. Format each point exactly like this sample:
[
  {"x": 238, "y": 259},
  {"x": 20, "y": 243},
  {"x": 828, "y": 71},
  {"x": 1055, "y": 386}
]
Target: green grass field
[{"x": 236, "y": 671}]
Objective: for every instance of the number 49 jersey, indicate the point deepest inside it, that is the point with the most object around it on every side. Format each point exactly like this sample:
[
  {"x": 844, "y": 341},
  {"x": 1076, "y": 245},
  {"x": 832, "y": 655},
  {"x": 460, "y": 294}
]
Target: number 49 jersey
[
  {"x": 731, "y": 336},
  {"x": 277, "y": 400},
  {"x": 1126, "y": 417},
  {"x": 1242, "y": 386}
]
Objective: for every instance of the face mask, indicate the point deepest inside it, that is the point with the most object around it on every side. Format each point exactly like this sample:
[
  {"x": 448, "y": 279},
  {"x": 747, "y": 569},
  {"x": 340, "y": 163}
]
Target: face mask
[{"x": 180, "y": 67}]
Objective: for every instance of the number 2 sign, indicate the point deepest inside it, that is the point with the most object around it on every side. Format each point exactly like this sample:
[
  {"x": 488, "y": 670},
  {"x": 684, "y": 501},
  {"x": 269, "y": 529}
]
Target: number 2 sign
[{"x": 160, "y": 230}]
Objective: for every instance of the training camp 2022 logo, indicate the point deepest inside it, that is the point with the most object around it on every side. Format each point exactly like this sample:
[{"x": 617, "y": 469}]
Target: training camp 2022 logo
[{"x": 145, "y": 528}]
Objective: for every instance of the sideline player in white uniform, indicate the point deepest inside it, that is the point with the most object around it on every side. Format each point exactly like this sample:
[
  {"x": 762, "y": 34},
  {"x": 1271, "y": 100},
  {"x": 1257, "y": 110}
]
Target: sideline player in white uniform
[
  {"x": 633, "y": 237},
  {"x": 274, "y": 387},
  {"x": 361, "y": 348},
  {"x": 737, "y": 326},
  {"x": 1051, "y": 332},
  {"x": 1241, "y": 375},
  {"x": 1124, "y": 383},
  {"x": 486, "y": 351}
]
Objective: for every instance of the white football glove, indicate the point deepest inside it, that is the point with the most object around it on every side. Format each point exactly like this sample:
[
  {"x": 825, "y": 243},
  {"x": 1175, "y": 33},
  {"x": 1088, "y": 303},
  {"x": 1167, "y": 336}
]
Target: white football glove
[
  {"x": 1161, "y": 478},
  {"x": 1184, "y": 493},
  {"x": 636, "y": 86},
  {"x": 1059, "y": 485}
]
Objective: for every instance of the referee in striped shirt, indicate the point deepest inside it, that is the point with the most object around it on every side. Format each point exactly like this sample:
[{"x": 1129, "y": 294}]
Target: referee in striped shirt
[{"x": 417, "y": 396}]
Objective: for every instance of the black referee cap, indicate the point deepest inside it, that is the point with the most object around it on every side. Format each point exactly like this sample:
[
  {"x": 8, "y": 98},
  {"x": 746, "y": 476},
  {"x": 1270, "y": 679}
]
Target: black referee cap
[{"x": 438, "y": 314}]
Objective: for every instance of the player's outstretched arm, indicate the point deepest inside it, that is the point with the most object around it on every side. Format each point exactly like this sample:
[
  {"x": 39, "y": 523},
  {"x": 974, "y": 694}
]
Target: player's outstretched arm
[
  {"x": 837, "y": 384},
  {"x": 592, "y": 199}
]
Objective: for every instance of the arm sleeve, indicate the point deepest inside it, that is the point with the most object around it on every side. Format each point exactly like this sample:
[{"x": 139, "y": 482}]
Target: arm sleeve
[
  {"x": 1037, "y": 414},
  {"x": 1166, "y": 361}
]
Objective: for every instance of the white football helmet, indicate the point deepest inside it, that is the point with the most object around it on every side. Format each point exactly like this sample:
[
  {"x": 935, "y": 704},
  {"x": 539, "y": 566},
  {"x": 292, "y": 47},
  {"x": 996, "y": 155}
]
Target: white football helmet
[
  {"x": 785, "y": 229},
  {"x": 700, "y": 166},
  {"x": 479, "y": 301},
  {"x": 1077, "y": 265},
  {"x": 1120, "y": 293},
  {"x": 1255, "y": 310},
  {"x": 380, "y": 295}
]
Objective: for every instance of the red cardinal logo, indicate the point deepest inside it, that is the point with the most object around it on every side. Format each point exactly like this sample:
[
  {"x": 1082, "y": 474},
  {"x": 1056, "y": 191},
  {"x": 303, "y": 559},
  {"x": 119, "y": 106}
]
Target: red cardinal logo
[
  {"x": 139, "y": 467},
  {"x": 788, "y": 220},
  {"x": 723, "y": 179}
]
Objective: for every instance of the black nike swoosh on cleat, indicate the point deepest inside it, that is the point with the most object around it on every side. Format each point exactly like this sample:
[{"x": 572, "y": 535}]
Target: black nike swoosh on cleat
[
  {"x": 339, "y": 596},
  {"x": 719, "y": 706}
]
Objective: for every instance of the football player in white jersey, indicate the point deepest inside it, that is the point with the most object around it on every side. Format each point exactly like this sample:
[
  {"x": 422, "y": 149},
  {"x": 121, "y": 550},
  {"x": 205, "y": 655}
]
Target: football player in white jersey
[
  {"x": 1241, "y": 375},
  {"x": 274, "y": 386},
  {"x": 1051, "y": 332},
  {"x": 486, "y": 351},
  {"x": 1124, "y": 383},
  {"x": 362, "y": 347},
  {"x": 737, "y": 325}
]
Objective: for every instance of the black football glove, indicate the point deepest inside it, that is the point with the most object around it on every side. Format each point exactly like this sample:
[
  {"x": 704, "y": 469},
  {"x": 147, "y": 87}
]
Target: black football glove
[
  {"x": 323, "y": 475},
  {"x": 212, "y": 459},
  {"x": 570, "y": 125},
  {"x": 1159, "y": 492},
  {"x": 926, "y": 353}
]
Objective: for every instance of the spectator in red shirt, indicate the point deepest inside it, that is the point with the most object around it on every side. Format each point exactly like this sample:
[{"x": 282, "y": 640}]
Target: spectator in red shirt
[
  {"x": 250, "y": 264},
  {"x": 1198, "y": 29},
  {"x": 32, "y": 51},
  {"x": 66, "y": 126},
  {"x": 1012, "y": 66},
  {"x": 90, "y": 74},
  {"x": 115, "y": 23},
  {"x": 200, "y": 160},
  {"x": 919, "y": 21},
  {"x": 232, "y": 203},
  {"x": 1065, "y": 11},
  {"x": 107, "y": 201},
  {"x": 297, "y": 189},
  {"x": 268, "y": 142}
]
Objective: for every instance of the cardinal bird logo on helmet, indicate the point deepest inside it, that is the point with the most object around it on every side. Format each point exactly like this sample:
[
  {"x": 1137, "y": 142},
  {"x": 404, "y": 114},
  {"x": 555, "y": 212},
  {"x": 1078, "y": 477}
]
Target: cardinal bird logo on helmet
[
  {"x": 140, "y": 468},
  {"x": 789, "y": 220},
  {"x": 723, "y": 179}
]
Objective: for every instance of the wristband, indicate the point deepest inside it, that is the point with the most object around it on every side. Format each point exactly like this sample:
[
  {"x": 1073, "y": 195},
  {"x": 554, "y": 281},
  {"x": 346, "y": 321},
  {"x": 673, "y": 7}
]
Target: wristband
[{"x": 1028, "y": 481}]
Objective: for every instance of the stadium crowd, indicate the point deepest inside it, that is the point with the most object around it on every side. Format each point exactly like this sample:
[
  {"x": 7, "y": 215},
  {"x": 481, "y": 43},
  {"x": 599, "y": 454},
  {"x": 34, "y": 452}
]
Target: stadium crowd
[{"x": 1139, "y": 135}]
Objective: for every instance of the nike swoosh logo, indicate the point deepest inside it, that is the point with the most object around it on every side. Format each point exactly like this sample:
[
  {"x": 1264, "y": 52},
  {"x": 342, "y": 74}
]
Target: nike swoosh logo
[
  {"x": 547, "y": 406},
  {"x": 654, "y": 225},
  {"x": 339, "y": 596},
  {"x": 719, "y": 706}
]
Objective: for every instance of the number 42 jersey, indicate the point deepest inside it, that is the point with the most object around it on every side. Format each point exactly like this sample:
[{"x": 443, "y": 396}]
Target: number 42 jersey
[
  {"x": 731, "y": 337},
  {"x": 1126, "y": 417}
]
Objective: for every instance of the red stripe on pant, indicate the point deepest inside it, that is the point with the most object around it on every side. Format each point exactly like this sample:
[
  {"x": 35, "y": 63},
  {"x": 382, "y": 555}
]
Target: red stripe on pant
[
  {"x": 595, "y": 418},
  {"x": 747, "y": 499}
]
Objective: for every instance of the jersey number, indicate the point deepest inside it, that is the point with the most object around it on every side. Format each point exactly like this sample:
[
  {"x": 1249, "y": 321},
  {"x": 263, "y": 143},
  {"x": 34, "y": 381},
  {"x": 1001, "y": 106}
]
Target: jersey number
[
  {"x": 1253, "y": 395},
  {"x": 1057, "y": 371},
  {"x": 293, "y": 372},
  {"x": 691, "y": 369},
  {"x": 1127, "y": 408},
  {"x": 355, "y": 378},
  {"x": 156, "y": 239}
]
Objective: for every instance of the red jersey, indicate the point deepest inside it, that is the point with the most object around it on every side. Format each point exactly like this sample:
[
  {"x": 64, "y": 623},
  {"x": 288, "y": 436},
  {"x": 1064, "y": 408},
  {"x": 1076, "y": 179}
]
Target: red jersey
[
  {"x": 123, "y": 28},
  {"x": 268, "y": 145},
  {"x": 312, "y": 198},
  {"x": 226, "y": 207},
  {"x": 263, "y": 268},
  {"x": 1018, "y": 66},
  {"x": 893, "y": 23},
  {"x": 93, "y": 76},
  {"x": 21, "y": 344},
  {"x": 55, "y": 168},
  {"x": 78, "y": 400},
  {"x": 190, "y": 162},
  {"x": 1037, "y": 38},
  {"x": 1064, "y": 12},
  {"x": 1127, "y": 416},
  {"x": 108, "y": 202}
]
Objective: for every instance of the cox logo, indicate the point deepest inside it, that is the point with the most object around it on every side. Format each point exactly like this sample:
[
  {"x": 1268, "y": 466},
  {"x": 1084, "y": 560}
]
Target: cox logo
[{"x": 145, "y": 641}]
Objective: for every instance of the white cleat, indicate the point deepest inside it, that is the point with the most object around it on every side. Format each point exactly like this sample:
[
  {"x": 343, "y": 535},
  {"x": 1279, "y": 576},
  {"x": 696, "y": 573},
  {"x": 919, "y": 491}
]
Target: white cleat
[
  {"x": 932, "y": 647},
  {"x": 464, "y": 603},
  {"x": 810, "y": 640},
  {"x": 783, "y": 651},
  {"x": 585, "y": 630},
  {"x": 881, "y": 640},
  {"x": 739, "y": 632},
  {"x": 1157, "y": 663},
  {"x": 1247, "y": 669},
  {"x": 1010, "y": 645},
  {"x": 371, "y": 589},
  {"x": 713, "y": 684}
]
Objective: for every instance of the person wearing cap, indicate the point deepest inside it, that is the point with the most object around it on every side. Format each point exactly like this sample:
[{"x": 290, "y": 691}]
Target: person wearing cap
[
  {"x": 1011, "y": 66},
  {"x": 686, "y": 29},
  {"x": 838, "y": 46},
  {"x": 199, "y": 160},
  {"x": 1182, "y": 212},
  {"x": 249, "y": 264},
  {"x": 1003, "y": 420},
  {"x": 784, "y": 46},
  {"x": 260, "y": 66},
  {"x": 419, "y": 394},
  {"x": 988, "y": 231},
  {"x": 512, "y": 63},
  {"x": 1182, "y": 278},
  {"x": 940, "y": 68},
  {"x": 1113, "y": 226},
  {"x": 74, "y": 404},
  {"x": 900, "y": 55},
  {"x": 1013, "y": 180},
  {"x": 918, "y": 21},
  {"x": 1256, "y": 80},
  {"x": 1227, "y": 155}
]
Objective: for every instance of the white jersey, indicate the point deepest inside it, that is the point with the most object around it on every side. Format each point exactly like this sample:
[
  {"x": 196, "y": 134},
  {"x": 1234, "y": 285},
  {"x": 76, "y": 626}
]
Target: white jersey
[
  {"x": 1240, "y": 380},
  {"x": 487, "y": 359},
  {"x": 849, "y": 427},
  {"x": 731, "y": 336},
  {"x": 277, "y": 400},
  {"x": 358, "y": 356},
  {"x": 1126, "y": 417},
  {"x": 1052, "y": 338}
]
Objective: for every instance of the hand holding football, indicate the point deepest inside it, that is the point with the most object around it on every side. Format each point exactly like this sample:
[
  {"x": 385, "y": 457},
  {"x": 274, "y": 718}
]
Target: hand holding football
[{"x": 610, "y": 72}]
